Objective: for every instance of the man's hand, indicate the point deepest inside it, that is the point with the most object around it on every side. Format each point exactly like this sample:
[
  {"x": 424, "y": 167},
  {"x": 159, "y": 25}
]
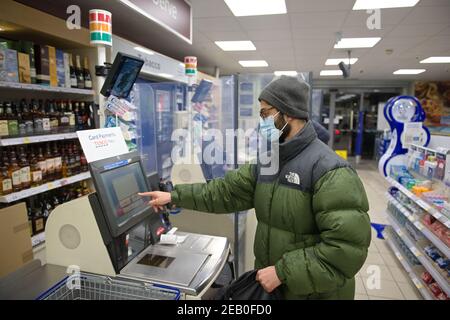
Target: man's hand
[
  {"x": 268, "y": 278},
  {"x": 159, "y": 199}
]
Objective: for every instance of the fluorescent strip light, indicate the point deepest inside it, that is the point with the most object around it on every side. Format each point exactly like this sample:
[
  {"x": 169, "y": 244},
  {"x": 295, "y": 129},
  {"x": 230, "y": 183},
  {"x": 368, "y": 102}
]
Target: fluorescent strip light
[
  {"x": 236, "y": 45},
  {"x": 383, "y": 4},
  {"x": 241, "y": 8},
  {"x": 253, "y": 63},
  {"x": 409, "y": 71},
  {"x": 349, "y": 43},
  {"x": 327, "y": 73},
  {"x": 143, "y": 50},
  {"x": 286, "y": 73},
  {"x": 335, "y": 62},
  {"x": 165, "y": 75},
  {"x": 436, "y": 60}
]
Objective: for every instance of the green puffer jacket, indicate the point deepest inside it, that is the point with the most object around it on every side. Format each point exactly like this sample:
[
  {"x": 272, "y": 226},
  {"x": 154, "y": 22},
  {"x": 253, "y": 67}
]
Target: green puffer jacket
[{"x": 312, "y": 216}]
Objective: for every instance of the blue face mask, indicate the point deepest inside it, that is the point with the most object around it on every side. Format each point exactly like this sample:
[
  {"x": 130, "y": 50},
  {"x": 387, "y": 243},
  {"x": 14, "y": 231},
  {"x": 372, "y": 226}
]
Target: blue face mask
[{"x": 268, "y": 130}]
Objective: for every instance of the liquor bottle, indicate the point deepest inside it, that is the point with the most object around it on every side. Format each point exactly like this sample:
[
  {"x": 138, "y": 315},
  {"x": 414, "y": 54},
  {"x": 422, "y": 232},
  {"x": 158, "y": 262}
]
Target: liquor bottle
[
  {"x": 77, "y": 159},
  {"x": 37, "y": 217},
  {"x": 3, "y": 122},
  {"x": 53, "y": 114},
  {"x": 42, "y": 163},
  {"x": 32, "y": 63},
  {"x": 36, "y": 172},
  {"x": 57, "y": 162},
  {"x": 71, "y": 116},
  {"x": 20, "y": 119},
  {"x": 84, "y": 116},
  {"x": 87, "y": 75},
  {"x": 13, "y": 123},
  {"x": 28, "y": 117},
  {"x": 63, "y": 118},
  {"x": 72, "y": 160},
  {"x": 83, "y": 162},
  {"x": 14, "y": 172},
  {"x": 78, "y": 116},
  {"x": 79, "y": 73},
  {"x": 6, "y": 181},
  {"x": 37, "y": 117},
  {"x": 44, "y": 110},
  {"x": 50, "y": 163},
  {"x": 25, "y": 172},
  {"x": 85, "y": 188},
  {"x": 65, "y": 166},
  {"x": 73, "y": 75},
  {"x": 90, "y": 115}
]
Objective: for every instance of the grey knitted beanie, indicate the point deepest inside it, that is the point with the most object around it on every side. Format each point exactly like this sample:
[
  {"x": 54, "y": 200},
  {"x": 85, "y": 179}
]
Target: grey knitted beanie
[{"x": 289, "y": 95}]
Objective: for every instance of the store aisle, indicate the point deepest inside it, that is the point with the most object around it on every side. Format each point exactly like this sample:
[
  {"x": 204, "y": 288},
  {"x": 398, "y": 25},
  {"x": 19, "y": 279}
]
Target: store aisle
[{"x": 395, "y": 283}]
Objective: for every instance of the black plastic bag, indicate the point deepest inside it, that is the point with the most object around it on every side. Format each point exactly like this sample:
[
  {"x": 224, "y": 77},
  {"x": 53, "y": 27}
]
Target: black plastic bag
[{"x": 247, "y": 288}]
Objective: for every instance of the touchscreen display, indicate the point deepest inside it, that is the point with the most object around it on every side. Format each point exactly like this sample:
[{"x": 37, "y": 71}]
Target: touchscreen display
[
  {"x": 122, "y": 187},
  {"x": 126, "y": 77}
]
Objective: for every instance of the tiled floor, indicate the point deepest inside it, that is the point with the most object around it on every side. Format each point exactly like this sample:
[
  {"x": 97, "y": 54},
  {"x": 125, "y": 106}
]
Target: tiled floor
[{"x": 395, "y": 282}]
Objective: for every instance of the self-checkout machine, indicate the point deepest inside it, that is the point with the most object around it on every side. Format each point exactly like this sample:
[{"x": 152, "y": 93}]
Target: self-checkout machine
[{"x": 114, "y": 232}]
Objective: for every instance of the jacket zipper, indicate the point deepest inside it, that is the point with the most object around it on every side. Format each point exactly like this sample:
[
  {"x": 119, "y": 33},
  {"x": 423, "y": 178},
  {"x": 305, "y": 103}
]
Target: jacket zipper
[{"x": 270, "y": 220}]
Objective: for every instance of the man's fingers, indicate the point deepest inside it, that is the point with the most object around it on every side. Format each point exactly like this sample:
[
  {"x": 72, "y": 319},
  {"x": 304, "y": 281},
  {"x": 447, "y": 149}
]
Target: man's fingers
[{"x": 147, "y": 194}]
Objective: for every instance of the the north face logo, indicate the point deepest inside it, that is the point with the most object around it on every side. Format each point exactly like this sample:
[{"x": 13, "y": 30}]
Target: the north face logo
[{"x": 293, "y": 177}]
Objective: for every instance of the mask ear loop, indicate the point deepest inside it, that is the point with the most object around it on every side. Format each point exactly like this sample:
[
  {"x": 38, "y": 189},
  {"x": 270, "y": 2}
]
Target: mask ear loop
[{"x": 284, "y": 127}]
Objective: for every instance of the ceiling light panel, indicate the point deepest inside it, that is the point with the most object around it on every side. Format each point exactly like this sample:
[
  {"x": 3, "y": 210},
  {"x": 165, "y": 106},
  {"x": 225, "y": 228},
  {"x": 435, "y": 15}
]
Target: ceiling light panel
[
  {"x": 328, "y": 73},
  {"x": 242, "y": 8},
  {"x": 335, "y": 62},
  {"x": 383, "y": 4},
  {"x": 253, "y": 63},
  {"x": 236, "y": 45},
  {"x": 436, "y": 60},
  {"x": 350, "y": 43},
  {"x": 409, "y": 71}
]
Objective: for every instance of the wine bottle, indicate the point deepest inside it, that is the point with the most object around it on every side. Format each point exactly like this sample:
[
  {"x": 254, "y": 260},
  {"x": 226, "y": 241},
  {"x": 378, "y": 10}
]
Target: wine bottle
[
  {"x": 73, "y": 74},
  {"x": 79, "y": 73},
  {"x": 87, "y": 75}
]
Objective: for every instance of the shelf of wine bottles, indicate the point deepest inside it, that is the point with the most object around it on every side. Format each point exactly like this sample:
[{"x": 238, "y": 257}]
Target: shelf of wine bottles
[
  {"x": 34, "y": 121},
  {"x": 34, "y": 169}
]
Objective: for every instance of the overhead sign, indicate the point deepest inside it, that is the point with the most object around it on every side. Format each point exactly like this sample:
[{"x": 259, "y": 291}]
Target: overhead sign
[
  {"x": 174, "y": 15},
  {"x": 103, "y": 143}
]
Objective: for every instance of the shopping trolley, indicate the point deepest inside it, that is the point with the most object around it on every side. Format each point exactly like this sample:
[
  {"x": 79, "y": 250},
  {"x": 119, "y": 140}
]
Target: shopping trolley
[{"x": 94, "y": 287}]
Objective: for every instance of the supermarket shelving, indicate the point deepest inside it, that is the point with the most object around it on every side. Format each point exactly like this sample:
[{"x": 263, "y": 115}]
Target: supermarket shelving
[
  {"x": 43, "y": 188},
  {"x": 420, "y": 255}
]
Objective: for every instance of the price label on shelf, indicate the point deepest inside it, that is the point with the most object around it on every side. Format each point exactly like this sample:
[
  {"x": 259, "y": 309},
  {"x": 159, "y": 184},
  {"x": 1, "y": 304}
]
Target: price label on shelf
[
  {"x": 50, "y": 185},
  {"x": 399, "y": 232},
  {"x": 399, "y": 256},
  {"x": 417, "y": 283},
  {"x": 423, "y": 204},
  {"x": 437, "y": 214},
  {"x": 418, "y": 225},
  {"x": 447, "y": 223},
  {"x": 26, "y": 140},
  {"x": 415, "y": 251}
]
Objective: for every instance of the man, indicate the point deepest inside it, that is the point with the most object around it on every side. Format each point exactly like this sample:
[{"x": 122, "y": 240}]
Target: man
[{"x": 313, "y": 229}]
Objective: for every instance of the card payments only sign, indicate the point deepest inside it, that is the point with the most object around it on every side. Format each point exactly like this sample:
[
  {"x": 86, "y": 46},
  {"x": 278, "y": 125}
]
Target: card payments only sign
[{"x": 104, "y": 143}]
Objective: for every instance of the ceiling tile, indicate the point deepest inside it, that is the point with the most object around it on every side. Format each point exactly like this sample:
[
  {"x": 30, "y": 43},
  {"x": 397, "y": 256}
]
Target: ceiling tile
[
  {"x": 269, "y": 34},
  {"x": 314, "y": 33},
  {"x": 225, "y": 35},
  {"x": 422, "y": 15},
  {"x": 294, "y": 6},
  {"x": 427, "y": 30},
  {"x": 445, "y": 32},
  {"x": 423, "y": 3},
  {"x": 274, "y": 45},
  {"x": 388, "y": 17},
  {"x": 309, "y": 20},
  {"x": 216, "y": 24},
  {"x": 358, "y": 32},
  {"x": 210, "y": 8},
  {"x": 278, "y": 21}
]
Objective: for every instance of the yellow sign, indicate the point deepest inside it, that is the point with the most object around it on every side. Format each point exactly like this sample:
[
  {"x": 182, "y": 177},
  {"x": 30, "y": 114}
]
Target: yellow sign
[{"x": 342, "y": 153}]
